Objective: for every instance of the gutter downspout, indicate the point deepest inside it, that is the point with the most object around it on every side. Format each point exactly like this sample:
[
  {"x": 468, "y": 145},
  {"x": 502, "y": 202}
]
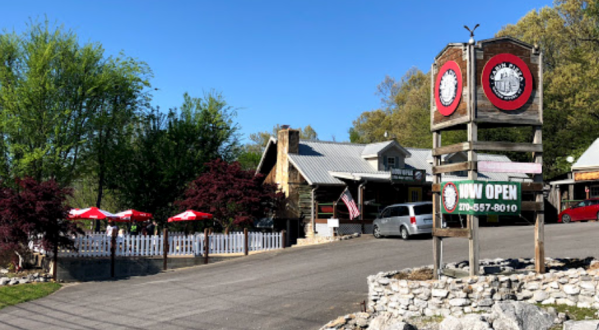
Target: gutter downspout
[{"x": 313, "y": 210}]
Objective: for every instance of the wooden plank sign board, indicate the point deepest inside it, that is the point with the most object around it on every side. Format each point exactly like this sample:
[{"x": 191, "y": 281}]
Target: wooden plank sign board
[
  {"x": 509, "y": 167},
  {"x": 504, "y": 76},
  {"x": 449, "y": 85},
  {"x": 509, "y": 91}
]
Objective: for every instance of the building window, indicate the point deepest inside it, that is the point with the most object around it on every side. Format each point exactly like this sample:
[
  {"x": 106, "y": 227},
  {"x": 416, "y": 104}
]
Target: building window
[
  {"x": 594, "y": 191},
  {"x": 391, "y": 162}
]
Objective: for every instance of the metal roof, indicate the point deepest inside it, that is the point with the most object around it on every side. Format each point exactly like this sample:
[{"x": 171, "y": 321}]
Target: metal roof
[
  {"x": 561, "y": 182},
  {"x": 590, "y": 158},
  {"x": 373, "y": 149},
  {"x": 317, "y": 161}
]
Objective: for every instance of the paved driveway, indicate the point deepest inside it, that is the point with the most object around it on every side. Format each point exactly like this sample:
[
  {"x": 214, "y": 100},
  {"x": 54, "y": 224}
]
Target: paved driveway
[{"x": 298, "y": 288}]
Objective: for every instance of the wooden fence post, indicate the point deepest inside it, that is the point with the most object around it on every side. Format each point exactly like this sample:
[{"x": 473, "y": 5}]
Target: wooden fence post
[
  {"x": 283, "y": 239},
  {"x": 166, "y": 247},
  {"x": 245, "y": 241},
  {"x": 206, "y": 245},
  {"x": 112, "y": 252},
  {"x": 55, "y": 258}
]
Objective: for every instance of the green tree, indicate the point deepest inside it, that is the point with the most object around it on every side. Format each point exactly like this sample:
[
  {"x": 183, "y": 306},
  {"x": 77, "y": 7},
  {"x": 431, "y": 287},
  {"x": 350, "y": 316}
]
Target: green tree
[
  {"x": 308, "y": 133},
  {"x": 404, "y": 114},
  {"x": 59, "y": 101},
  {"x": 169, "y": 151},
  {"x": 371, "y": 127},
  {"x": 568, "y": 35},
  {"x": 250, "y": 156},
  {"x": 124, "y": 100}
]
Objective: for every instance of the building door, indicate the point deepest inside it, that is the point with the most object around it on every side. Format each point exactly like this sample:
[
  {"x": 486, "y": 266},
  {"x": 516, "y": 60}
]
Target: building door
[{"x": 415, "y": 194}]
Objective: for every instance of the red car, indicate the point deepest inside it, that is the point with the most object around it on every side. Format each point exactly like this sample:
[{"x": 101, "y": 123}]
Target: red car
[{"x": 585, "y": 210}]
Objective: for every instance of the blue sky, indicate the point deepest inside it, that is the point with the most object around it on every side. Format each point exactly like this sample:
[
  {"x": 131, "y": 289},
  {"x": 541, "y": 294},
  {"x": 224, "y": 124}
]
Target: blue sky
[{"x": 278, "y": 62}]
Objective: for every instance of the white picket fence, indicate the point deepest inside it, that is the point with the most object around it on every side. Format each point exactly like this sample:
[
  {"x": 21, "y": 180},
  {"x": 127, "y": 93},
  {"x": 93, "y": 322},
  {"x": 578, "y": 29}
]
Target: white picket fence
[{"x": 98, "y": 245}]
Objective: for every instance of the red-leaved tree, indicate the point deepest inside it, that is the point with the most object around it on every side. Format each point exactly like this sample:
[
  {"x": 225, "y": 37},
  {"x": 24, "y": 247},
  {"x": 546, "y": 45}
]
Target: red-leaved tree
[
  {"x": 34, "y": 212},
  {"x": 235, "y": 197}
]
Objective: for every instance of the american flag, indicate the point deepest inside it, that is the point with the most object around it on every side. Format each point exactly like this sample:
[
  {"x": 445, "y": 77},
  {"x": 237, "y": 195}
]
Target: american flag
[{"x": 351, "y": 205}]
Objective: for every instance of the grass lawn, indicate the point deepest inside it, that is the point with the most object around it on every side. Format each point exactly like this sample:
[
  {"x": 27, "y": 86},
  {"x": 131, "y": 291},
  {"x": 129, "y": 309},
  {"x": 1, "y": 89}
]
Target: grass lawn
[
  {"x": 12, "y": 295},
  {"x": 573, "y": 312}
]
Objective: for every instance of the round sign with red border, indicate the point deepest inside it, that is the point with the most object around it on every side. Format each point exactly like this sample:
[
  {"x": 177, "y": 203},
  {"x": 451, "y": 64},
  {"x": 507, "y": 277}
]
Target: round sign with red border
[
  {"x": 507, "y": 81},
  {"x": 449, "y": 197},
  {"x": 448, "y": 88}
]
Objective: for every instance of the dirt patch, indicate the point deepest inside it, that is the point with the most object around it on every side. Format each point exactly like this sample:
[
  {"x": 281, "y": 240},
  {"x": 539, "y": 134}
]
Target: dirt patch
[{"x": 420, "y": 274}]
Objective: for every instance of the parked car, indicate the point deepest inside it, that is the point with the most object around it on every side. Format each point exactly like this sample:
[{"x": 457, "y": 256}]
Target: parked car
[
  {"x": 404, "y": 220},
  {"x": 585, "y": 210}
]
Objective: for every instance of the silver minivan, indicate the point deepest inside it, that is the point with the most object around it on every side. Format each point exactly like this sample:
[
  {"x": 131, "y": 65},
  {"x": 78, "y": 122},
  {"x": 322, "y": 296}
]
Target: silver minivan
[{"x": 405, "y": 220}]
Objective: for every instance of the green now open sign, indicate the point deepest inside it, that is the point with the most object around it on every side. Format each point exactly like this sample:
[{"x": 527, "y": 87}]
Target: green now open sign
[{"x": 481, "y": 197}]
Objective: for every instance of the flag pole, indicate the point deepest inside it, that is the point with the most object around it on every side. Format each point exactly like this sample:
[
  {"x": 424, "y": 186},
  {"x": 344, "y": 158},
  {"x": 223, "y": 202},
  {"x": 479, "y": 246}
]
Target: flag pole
[{"x": 343, "y": 192}]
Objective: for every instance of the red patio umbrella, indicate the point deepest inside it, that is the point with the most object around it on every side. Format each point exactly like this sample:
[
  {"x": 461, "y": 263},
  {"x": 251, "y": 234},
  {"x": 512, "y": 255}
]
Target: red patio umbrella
[
  {"x": 91, "y": 213},
  {"x": 190, "y": 215},
  {"x": 131, "y": 215}
]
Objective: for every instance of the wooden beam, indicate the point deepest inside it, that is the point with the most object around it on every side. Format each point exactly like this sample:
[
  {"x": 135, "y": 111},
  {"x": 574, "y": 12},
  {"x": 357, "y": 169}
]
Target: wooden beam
[
  {"x": 473, "y": 239},
  {"x": 509, "y": 167},
  {"x": 463, "y": 166},
  {"x": 436, "y": 188},
  {"x": 437, "y": 216},
  {"x": 507, "y": 146},
  {"x": 502, "y": 122},
  {"x": 464, "y": 146},
  {"x": 532, "y": 206},
  {"x": 451, "y": 232},
  {"x": 532, "y": 186},
  {"x": 540, "y": 223}
]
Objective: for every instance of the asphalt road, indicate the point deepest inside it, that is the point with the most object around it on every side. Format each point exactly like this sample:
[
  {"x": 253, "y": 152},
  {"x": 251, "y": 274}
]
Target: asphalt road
[{"x": 297, "y": 288}]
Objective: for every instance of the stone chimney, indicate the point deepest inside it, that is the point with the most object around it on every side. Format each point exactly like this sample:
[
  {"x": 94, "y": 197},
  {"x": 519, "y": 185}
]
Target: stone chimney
[{"x": 287, "y": 143}]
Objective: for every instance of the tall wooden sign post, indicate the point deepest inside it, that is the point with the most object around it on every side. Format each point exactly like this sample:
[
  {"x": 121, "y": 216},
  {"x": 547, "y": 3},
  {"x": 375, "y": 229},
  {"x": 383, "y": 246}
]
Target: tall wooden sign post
[{"x": 493, "y": 83}]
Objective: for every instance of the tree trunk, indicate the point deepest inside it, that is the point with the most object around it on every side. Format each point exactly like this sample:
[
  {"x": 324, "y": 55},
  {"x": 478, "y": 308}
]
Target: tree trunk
[{"x": 100, "y": 184}]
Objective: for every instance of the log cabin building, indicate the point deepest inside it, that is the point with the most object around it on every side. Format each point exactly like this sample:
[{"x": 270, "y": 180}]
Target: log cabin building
[{"x": 313, "y": 174}]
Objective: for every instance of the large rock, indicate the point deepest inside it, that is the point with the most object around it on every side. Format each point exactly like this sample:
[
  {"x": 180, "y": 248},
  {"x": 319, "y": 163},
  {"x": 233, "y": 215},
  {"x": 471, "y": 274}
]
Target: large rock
[
  {"x": 540, "y": 296},
  {"x": 581, "y": 325},
  {"x": 380, "y": 321},
  {"x": 400, "y": 326},
  {"x": 4, "y": 280},
  {"x": 386, "y": 321},
  {"x": 517, "y": 315},
  {"x": 467, "y": 322},
  {"x": 571, "y": 289},
  {"x": 440, "y": 293},
  {"x": 459, "y": 302}
]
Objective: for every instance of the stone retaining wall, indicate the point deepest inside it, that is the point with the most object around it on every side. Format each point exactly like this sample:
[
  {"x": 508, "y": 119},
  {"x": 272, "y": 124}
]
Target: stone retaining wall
[{"x": 573, "y": 287}]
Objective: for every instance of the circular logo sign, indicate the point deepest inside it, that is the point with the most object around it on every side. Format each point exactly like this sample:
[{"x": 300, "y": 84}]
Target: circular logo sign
[
  {"x": 507, "y": 81},
  {"x": 418, "y": 176},
  {"x": 448, "y": 88},
  {"x": 449, "y": 197}
]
